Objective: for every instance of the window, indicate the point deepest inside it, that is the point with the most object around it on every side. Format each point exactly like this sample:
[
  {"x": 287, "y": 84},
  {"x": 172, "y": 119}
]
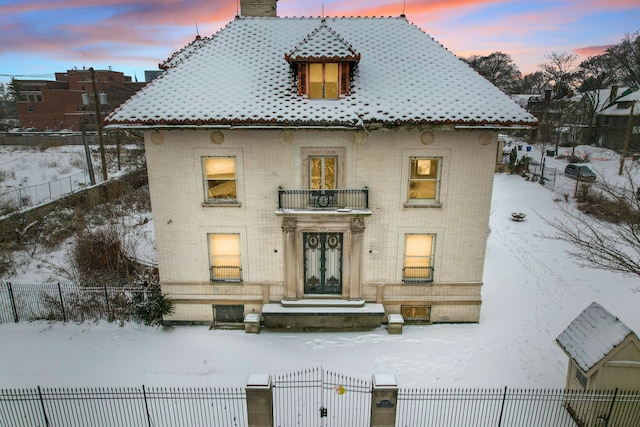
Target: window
[
  {"x": 323, "y": 172},
  {"x": 225, "y": 314},
  {"x": 323, "y": 80},
  {"x": 225, "y": 257},
  {"x": 220, "y": 179},
  {"x": 418, "y": 258},
  {"x": 416, "y": 314},
  {"x": 582, "y": 379},
  {"x": 424, "y": 179}
]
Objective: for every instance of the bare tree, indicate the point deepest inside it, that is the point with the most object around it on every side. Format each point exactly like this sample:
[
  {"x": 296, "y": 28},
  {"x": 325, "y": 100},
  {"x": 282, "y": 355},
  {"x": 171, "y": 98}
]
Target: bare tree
[
  {"x": 498, "y": 68},
  {"x": 606, "y": 233},
  {"x": 561, "y": 72},
  {"x": 533, "y": 83},
  {"x": 627, "y": 57}
]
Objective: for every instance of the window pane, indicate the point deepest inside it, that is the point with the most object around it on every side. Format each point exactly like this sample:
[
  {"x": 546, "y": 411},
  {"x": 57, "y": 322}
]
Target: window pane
[
  {"x": 225, "y": 256},
  {"x": 315, "y": 80},
  {"x": 220, "y": 176},
  {"x": 329, "y": 173},
  {"x": 418, "y": 245},
  {"x": 316, "y": 173},
  {"x": 331, "y": 80},
  {"x": 424, "y": 168},
  {"x": 422, "y": 190}
]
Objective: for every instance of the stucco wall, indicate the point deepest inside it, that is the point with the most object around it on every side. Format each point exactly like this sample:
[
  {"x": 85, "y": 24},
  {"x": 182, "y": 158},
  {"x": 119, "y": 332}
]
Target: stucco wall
[{"x": 264, "y": 164}]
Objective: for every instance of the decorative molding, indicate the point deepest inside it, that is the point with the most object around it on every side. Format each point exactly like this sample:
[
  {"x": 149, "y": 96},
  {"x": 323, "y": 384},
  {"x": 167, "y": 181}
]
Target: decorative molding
[
  {"x": 157, "y": 137},
  {"x": 289, "y": 225},
  {"x": 357, "y": 225},
  {"x": 286, "y": 136},
  {"x": 484, "y": 138},
  {"x": 216, "y": 137},
  {"x": 427, "y": 138},
  {"x": 360, "y": 137}
]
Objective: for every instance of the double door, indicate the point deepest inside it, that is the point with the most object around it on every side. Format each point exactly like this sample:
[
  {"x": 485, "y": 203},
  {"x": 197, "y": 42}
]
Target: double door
[{"x": 322, "y": 263}]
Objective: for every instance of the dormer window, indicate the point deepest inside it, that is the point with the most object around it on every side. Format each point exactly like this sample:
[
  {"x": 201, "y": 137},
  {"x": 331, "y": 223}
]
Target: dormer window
[
  {"x": 323, "y": 80},
  {"x": 323, "y": 63}
]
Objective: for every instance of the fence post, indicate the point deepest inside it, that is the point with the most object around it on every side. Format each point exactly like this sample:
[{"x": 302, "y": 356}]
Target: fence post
[
  {"x": 384, "y": 401},
  {"x": 146, "y": 405},
  {"x": 259, "y": 391},
  {"x": 44, "y": 412},
  {"x": 13, "y": 303},
  {"x": 504, "y": 398},
  {"x": 106, "y": 298},
  {"x": 613, "y": 401},
  {"x": 64, "y": 314}
]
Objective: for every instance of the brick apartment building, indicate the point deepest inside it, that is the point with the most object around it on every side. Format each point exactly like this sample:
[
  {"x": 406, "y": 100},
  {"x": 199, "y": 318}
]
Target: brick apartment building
[{"x": 62, "y": 103}]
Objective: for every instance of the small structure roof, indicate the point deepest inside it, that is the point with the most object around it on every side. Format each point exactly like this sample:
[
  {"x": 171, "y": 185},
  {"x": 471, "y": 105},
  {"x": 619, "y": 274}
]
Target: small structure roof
[
  {"x": 592, "y": 335},
  {"x": 622, "y": 105},
  {"x": 240, "y": 77}
]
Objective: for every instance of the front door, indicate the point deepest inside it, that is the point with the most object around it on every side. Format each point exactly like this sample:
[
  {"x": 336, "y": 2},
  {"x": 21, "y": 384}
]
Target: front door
[{"x": 323, "y": 263}]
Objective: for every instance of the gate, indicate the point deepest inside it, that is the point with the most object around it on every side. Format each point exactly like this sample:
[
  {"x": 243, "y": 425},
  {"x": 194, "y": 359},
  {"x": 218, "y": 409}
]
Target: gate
[{"x": 320, "y": 398}]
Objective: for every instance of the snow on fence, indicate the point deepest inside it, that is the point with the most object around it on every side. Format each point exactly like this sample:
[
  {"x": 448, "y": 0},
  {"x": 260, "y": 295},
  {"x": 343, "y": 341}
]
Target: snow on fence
[
  {"x": 38, "y": 194},
  {"x": 346, "y": 403},
  {"x": 68, "y": 302},
  {"x": 126, "y": 407}
]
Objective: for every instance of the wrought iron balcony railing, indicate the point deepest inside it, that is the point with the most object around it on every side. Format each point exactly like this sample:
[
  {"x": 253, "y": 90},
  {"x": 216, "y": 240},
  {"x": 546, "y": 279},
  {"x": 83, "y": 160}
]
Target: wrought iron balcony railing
[
  {"x": 226, "y": 273},
  {"x": 331, "y": 200},
  {"x": 417, "y": 275}
]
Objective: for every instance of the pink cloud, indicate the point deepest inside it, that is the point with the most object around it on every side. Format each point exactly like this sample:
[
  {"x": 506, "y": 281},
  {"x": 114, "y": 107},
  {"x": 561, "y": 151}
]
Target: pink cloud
[{"x": 591, "y": 50}]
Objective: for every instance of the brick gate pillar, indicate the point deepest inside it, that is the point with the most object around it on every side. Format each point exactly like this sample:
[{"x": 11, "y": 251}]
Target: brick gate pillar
[
  {"x": 384, "y": 401},
  {"x": 259, "y": 400}
]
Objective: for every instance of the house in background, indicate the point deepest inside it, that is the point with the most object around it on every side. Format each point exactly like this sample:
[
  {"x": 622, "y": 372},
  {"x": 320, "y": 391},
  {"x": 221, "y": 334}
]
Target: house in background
[
  {"x": 320, "y": 173},
  {"x": 619, "y": 118},
  {"x": 604, "y": 354},
  {"x": 62, "y": 103}
]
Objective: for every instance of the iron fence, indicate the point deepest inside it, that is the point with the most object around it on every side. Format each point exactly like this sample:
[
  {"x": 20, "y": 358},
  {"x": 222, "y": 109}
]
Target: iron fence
[
  {"x": 34, "y": 195},
  {"x": 316, "y": 397},
  {"x": 68, "y": 302},
  {"x": 127, "y": 407},
  {"x": 517, "y": 408}
]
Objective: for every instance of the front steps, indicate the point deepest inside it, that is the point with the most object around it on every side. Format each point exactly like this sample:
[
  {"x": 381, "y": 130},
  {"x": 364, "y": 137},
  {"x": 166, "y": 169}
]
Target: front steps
[{"x": 322, "y": 315}]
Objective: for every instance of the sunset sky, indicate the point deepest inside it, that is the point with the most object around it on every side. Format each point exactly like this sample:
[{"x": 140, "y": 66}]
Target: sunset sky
[{"x": 38, "y": 38}]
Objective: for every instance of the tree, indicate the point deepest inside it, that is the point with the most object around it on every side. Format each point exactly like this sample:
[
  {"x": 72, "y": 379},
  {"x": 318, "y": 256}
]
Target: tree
[
  {"x": 606, "y": 235},
  {"x": 7, "y": 103},
  {"x": 626, "y": 55},
  {"x": 533, "y": 83},
  {"x": 498, "y": 68},
  {"x": 561, "y": 73}
]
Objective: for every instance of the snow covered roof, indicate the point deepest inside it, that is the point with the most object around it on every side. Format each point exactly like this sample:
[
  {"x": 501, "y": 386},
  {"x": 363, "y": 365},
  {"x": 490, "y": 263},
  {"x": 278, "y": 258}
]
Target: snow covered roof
[
  {"x": 323, "y": 44},
  {"x": 592, "y": 335},
  {"x": 240, "y": 77},
  {"x": 622, "y": 105}
]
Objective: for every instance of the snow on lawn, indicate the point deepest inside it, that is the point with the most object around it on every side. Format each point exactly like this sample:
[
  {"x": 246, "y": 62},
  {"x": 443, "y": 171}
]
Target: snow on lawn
[{"x": 532, "y": 292}]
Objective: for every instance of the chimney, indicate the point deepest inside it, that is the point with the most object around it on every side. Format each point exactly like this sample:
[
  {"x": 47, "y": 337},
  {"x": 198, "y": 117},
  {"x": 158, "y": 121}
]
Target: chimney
[
  {"x": 614, "y": 93},
  {"x": 262, "y": 8}
]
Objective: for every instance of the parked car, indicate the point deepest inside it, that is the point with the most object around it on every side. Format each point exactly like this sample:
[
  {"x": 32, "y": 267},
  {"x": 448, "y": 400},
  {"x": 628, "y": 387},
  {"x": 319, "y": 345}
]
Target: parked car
[{"x": 580, "y": 172}]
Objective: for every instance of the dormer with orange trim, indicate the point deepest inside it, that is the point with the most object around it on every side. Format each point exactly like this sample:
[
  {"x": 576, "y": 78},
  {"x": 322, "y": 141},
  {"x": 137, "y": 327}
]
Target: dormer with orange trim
[{"x": 323, "y": 64}]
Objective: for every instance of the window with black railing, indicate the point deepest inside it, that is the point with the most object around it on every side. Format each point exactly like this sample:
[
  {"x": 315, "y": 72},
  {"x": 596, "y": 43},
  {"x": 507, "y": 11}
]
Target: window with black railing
[
  {"x": 226, "y": 273},
  {"x": 417, "y": 275},
  {"x": 346, "y": 199}
]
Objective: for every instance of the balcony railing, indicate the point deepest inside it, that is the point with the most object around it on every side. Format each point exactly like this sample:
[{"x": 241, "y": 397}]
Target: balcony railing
[
  {"x": 226, "y": 273},
  {"x": 417, "y": 275},
  {"x": 324, "y": 200}
]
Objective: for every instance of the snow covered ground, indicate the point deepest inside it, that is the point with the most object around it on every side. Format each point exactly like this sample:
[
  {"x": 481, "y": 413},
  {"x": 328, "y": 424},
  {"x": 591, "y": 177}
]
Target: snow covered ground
[{"x": 532, "y": 291}]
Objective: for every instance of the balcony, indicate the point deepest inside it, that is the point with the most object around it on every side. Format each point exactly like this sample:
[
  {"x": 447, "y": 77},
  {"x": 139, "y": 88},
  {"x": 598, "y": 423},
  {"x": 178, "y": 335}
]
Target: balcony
[
  {"x": 225, "y": 273},
  {"x": 325, "y": 201},
  {"x": 417, "y": 275}
]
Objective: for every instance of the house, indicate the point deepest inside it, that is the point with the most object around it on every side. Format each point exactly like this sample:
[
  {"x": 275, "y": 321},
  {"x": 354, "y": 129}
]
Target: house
[
  {"x": 619, "y": 123},
  {"x": 62, "y": 103},
  {"x": 320, "y": 172},
  {"x": 604, "y": 355}
]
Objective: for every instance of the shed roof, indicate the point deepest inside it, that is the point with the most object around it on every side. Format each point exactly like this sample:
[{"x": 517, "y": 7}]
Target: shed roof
[
  {"x": 240, "y": 77},
  {"x": 592, "y": 335}
]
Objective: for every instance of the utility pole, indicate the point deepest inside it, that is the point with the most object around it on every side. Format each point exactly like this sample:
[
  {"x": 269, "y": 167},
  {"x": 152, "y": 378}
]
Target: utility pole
[
  {"x": 627, "y": 137},
  {"x": 87, "y": 153},
  {"x": 96, "y": 103}
]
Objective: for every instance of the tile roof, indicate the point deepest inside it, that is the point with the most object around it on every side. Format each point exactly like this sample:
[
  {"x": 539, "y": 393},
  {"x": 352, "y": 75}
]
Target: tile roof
[
  {"x": 592, "y": 335},
  {"x": 322, "y": 44},
  {"x": 239, "y": 77}
]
